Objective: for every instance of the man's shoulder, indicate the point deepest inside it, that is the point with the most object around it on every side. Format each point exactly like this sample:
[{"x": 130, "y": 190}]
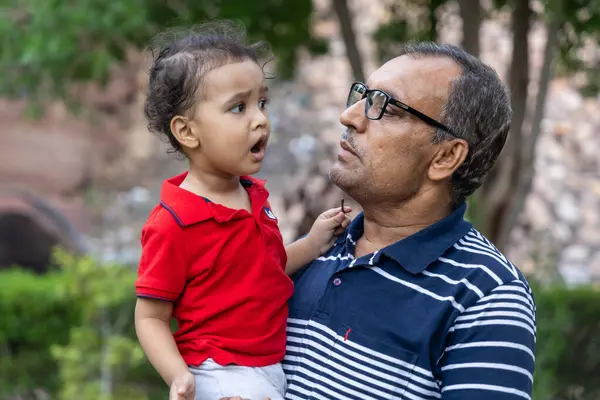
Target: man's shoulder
[
  {"x": 475, "y": 257},
  {"x": 494, "y": 283}
]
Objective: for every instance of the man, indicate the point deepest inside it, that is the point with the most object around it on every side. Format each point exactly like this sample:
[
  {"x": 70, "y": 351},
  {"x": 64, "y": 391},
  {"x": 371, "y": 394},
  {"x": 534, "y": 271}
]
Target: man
[{"x": 412, "y": 302}]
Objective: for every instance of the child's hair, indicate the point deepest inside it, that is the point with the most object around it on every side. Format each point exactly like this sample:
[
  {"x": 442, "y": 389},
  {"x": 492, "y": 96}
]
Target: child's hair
[{"x": 181, "y": 58}]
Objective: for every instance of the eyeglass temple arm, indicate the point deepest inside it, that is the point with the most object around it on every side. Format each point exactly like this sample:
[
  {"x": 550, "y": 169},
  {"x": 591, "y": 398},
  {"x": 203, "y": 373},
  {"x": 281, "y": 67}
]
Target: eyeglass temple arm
[{"x": 420, "y": 115}]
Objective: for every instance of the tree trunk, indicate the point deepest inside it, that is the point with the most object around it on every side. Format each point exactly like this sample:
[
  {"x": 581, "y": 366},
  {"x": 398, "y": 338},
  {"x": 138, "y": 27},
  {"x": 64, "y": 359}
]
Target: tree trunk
[
  {"x": 498, "y": 190},
  {"x": 470, "y": 12},
  {"x": 525, "y": 178},
  {"x": 343, "y": 13}
]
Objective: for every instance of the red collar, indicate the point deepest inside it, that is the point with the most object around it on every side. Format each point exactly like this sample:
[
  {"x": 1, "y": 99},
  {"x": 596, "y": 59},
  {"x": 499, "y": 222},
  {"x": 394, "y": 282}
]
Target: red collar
[{"x": 188, "y": 208}]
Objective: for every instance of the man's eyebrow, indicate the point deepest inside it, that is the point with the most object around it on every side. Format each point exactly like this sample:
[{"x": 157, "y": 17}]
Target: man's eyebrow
[{"x": 392, "y": 93}]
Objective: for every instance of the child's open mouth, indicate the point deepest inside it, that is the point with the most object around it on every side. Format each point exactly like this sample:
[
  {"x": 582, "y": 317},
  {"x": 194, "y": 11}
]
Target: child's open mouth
[{"x": 259, "y": 146}]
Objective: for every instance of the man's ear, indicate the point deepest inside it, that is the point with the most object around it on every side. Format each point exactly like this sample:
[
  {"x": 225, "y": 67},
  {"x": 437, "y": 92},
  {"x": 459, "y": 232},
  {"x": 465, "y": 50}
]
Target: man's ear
[
  {"x": 449, "y": 156},
  {"x": 182, "y": 130}
]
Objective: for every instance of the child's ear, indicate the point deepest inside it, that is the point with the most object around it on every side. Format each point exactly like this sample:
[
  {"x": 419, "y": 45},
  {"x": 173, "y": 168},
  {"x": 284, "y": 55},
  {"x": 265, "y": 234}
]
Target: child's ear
[{"x": 182, "y": 130}]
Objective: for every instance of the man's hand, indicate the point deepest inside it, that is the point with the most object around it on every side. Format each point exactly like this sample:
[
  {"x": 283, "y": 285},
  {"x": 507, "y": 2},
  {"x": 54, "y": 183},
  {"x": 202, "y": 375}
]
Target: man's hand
[{"x": 183, "y": 387}]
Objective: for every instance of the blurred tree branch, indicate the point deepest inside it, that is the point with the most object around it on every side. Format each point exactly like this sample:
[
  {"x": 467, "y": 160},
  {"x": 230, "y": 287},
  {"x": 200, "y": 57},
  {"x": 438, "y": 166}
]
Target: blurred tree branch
[
  {"x": 527, "y": 153},
  {"x": 568, "y": 24},
  {"x": 354, "y": 57},
  {"x": 498, "y": 189},
  {"x": 471, "y": 14}
]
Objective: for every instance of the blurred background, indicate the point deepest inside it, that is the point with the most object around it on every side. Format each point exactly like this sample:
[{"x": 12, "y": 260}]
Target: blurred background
[{"x": 79, "y": 172}]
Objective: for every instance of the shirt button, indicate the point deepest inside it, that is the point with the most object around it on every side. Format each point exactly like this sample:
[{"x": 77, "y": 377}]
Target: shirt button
[{"x": 337, "y": 282}]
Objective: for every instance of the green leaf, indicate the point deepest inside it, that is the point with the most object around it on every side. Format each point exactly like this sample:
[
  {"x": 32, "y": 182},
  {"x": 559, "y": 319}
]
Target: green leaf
[{"x": 57, "y": 43}]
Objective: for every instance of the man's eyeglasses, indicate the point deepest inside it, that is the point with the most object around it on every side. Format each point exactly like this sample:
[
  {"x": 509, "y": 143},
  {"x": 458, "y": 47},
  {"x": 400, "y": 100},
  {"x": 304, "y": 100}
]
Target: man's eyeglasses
[{"x": 378, "y": 100}]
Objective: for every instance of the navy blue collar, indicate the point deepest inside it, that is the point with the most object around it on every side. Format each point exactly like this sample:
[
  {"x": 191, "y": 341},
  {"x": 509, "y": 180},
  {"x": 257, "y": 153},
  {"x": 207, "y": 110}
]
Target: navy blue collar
[{"x": 416, "y": 252}]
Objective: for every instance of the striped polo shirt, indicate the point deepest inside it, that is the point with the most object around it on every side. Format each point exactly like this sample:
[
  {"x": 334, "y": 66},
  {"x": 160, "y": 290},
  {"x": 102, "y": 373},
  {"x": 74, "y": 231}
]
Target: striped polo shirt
[{"x": 441, "y": 314}]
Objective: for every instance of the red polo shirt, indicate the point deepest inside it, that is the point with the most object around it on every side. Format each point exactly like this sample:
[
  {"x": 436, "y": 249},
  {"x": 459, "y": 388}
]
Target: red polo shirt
[{"x": 224, "y": 270}]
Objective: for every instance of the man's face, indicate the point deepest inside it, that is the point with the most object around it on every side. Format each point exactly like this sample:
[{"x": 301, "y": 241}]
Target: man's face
[{"x": 389, "y": 158}]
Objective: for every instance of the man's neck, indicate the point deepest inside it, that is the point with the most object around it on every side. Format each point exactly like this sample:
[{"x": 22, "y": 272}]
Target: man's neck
[{"x": 385, "y": 224}]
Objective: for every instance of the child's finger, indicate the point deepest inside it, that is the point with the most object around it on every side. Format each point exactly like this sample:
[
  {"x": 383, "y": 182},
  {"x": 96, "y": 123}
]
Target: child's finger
[
  {"x": 338, "y": 210},
  {"x": 333, "y": 212},
  {"x": 336, "y": 220}
]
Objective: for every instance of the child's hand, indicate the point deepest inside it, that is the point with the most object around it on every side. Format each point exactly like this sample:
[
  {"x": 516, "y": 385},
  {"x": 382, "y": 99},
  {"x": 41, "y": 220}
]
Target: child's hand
[
  {"x": 183, "y": 387},
  {"x": 326, "y": 228}
]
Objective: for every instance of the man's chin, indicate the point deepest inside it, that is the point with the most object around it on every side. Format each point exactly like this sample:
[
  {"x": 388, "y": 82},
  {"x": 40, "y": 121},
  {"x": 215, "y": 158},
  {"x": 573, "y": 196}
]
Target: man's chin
[{"x": 342, "y": 177}]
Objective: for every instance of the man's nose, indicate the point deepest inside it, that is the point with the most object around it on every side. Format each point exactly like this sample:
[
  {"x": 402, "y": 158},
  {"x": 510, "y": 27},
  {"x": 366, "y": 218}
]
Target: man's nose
[{"x": 354, "y": 117}]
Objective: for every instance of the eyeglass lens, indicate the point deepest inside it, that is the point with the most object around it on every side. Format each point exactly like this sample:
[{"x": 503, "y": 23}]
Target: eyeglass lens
[{"x": 375, "y": 101}]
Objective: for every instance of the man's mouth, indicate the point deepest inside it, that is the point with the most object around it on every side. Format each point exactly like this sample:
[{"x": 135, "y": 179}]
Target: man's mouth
[
  {"x": 344, "y": 145},
  {"x": 259, "y": 145}
]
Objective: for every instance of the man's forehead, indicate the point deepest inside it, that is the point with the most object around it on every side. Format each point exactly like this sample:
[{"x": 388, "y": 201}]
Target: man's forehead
[{"x": 402, "y": 75}]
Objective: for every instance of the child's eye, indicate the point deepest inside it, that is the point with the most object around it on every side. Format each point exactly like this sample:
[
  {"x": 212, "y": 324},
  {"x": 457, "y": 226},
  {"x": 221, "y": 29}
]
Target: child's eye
[
  {"x": 263, "y": 103},
  {"x": 238, "y": 108}
]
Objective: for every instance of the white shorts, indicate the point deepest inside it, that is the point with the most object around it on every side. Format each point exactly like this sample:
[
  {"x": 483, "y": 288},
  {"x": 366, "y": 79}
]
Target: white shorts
[{"x": 214, "y": 381}]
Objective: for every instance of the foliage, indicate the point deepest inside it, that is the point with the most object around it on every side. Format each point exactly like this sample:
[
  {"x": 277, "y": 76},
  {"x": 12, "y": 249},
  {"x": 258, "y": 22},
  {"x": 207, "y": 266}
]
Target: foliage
[
  {"x": 416, "y": 20},
  {"x": 568, "y": 345},
  {"x": 102, "y": 349},
  {"x": 581, "y": 27},
  {"x": 580, "y": 20},
  {"x": 33, "y": 315},
  {"x": 419, "y": 24},
  {"x": 49, "y": 44},
  {"x": 71, "y": 333}
]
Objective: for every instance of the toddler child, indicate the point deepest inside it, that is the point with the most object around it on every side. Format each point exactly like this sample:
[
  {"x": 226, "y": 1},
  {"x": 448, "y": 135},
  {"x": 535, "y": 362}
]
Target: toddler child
[{"x": 212, "y": 254}]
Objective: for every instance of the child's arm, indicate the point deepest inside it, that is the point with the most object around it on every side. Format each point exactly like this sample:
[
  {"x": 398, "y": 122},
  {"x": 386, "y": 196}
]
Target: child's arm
[
  {"x": 162, "y": 274},
  {"x": 153, "y": 328},
  {"x": 320, "y": 238},
  {"x": 299, "y": 253}
]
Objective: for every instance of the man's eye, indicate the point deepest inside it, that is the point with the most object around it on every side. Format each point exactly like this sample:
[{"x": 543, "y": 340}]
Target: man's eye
[
  {"x": 238, "y": 108},
  {"x": 263, "y": 103}
]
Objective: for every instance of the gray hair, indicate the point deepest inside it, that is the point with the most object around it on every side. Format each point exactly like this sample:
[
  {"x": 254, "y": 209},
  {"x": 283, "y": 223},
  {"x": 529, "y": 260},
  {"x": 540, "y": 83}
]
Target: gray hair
[{"x": 478, "y": 110}]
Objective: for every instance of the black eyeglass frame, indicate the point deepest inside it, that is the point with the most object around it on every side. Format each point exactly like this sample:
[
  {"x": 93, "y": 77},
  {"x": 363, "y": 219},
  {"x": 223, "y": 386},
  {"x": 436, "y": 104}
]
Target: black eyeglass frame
[{"x": 390, "y": 100}]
